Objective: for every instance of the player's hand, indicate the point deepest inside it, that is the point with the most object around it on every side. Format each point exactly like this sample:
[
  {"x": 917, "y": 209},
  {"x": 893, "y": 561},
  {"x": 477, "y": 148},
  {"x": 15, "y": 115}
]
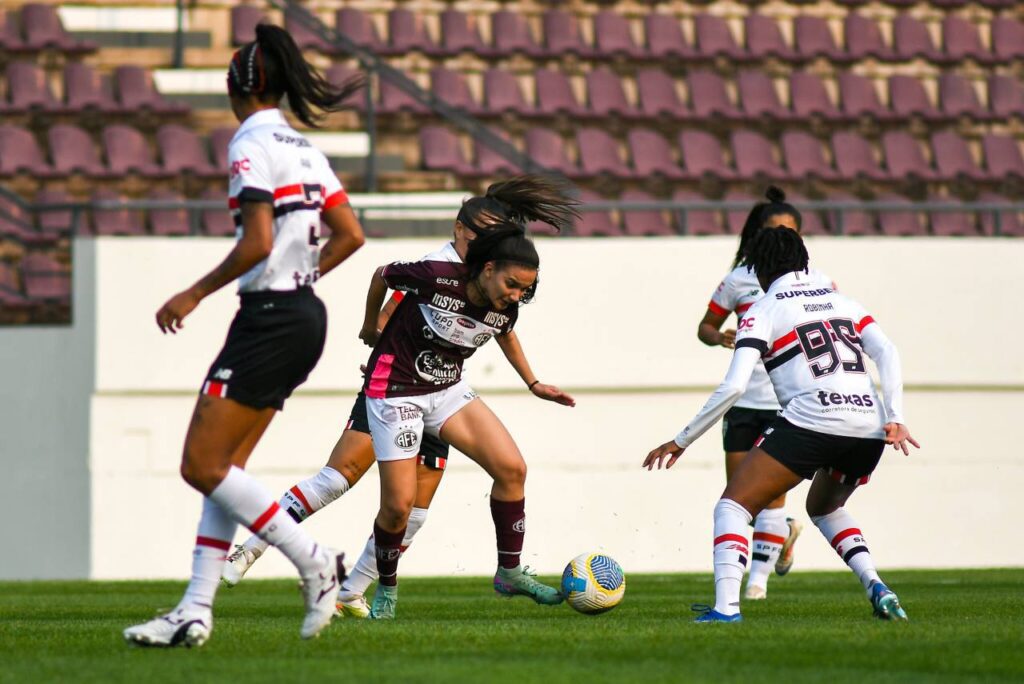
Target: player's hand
[
  {"x": 670, "y": 449},
  {"x": 170, "y": 316},
  {"x": 898, "y": 435},
  {"x": 369, "y": 336},
  {"x": 728, "y": 339},
  {"x": 552, "y": 393}
]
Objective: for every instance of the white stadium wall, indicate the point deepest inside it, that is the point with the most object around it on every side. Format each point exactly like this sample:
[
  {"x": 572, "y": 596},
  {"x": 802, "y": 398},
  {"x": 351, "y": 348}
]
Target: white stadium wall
[{"x": 94, "y": 415}]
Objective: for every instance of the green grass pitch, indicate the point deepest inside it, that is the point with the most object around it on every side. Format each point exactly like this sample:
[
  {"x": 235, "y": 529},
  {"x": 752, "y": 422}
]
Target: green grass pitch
[{"x": 966, "y": 625}]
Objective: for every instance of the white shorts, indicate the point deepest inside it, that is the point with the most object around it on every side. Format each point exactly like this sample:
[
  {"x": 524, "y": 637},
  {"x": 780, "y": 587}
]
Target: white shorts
[{"x": 397, "y": 423}]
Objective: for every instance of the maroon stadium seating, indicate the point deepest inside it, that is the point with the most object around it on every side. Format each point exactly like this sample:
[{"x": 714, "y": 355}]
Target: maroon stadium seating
[
  {"x": 703, "y": 155},
  {"x": 547, "y": 148},
  {"x": 72, "y": 150},
  {"x": 657, "y": 94},
  {"x": 1007, "y": 38},
  {"x": 554, "y": 94},
  {"x": 714, "y": 39},
  {"x": 640, "y": 222},
  {"x": 764, "y": 38},
  {"x": 709, "y": 97},
  {"x": 168, "y": 221},
  {"x": 962, "y": 41},
  {"x": 606, "y": 95},
  {"x": 1003, "y": 156},
  {"x": 450, "y": 87},
  {"x": 814, "y": 39},
  {"x": 805, "y": 156},
  {"x": 612, "y": 37},
  {"x": 595, "y": 222},
  {"x": 459, "y": 33},
  {"x": 759, "y": 97},
  {"x": 407, "y": 33},
  {"x": 28, "y": 90},
  {"x": 562, "y": 35},
  {"x": 809, "y": 97},
  {"x": 959, "y": 98},
  {"x": 126, "y": 151},
  {"x": 754, "y": 156},
  {"x": 43, "y": 30},
  {"x": 864, "y": 39},
  {"x": 697, "y": 222},
  {"x": 599, "y": 153},
  {"x": 116, "y": 221},
  {"x": 441, "y": 150},
  {"x": 953, "y": 157},
  {"x": 904, "y": 157},
  {"x": 182, "y": 151},
  {"x": 503, "y": 94},
  {"x": 665, "y": 39},
  {"x": 908, "y": 98},
  {"x": 652, "y": 155},
  {"x": 244, "y": 19},
  {"x": 854, "y": 157},
  {"x": 135, "y": 90},
  {"x": 859, "y": 97},
  {"x": 20, "y": 153},
  {"x": 45, "y": 279},
  {"x": 85, "y": 89}
]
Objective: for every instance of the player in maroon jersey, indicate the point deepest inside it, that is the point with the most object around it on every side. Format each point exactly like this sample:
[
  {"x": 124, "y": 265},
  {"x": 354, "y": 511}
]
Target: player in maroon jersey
[{"x": 414, "y": 384}]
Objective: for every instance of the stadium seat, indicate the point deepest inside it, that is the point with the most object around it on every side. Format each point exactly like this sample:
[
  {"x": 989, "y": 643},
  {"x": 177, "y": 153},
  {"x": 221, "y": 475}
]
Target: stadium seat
[
  {"x": 908, "y": 99},
  {"x": 339, "y": 74},
  {"x": 758, "y": 96},
  {"x": 116, "y": 221},
  {"x": 961, "y": 41},
  {"x": 135, "y": 91},
  {"x": 606, "y": 94},
  {"x": 811, "y": 221},
  {"x": 547, "y": 148},
  {"x": 959, "y": 98},
  {"x": 652, "y": 155},
  {"x": 43, "y": 30},
  {"x": 20, "y": 153},
  {"x": 696, "y": 222},
  {"x": 612, "y": 37},
  {"x": 860, "y": 99},
  {"x": 665, "y": 39},
  {"x": 10, "y": 284},
  {"x": 460, "y": 34},
  {"x": 1006, "y": 96},
  {"x": 640, "y": 222},
  {"x": 854, "y": 157},
  {"x": 599, "y": 154},
  {"x": 554, "y": 94},
  {"x": 451, "y": 88},
  {"x": 304, "y": 37},
  {"x": 709, "y": 98},
  {"x": 715, "y": 39},
  {"x": 56, "y": 222},
  {"x": 1010, "y": 223},
  {"x": 754, "y": 156},
  {"x": 219, "y": 140},
  {"x": 656, "y": 92},
  {"x": 1003, "y": 156},
  {"x": 593, "y": 223},
  {"x": 900, "y": 222},
  {"x": 166, "y": 222},
  {"x": 814, "y": 39},
  {"x": 805, "y": 156},
  {"x": 28, "y": 90},
  {"x": 764, "y": 38},
  {"x": 10, "y": 35},
  {"x": 562, "y": 35},
  {"x": 953, "y": 223},
  {"x": 703, "y": 155},
  {"x": 45, "y": 278},
  {"x": 407, "y": 33},
  {"x": 394, "y": 100},
  {"x": 16, "y": 224},
  {"x": 1007, "y": 38},
  {"x": 490, "y": 163},
  {"x": 359, "y": 28},
  {"x": 182, "y": 151},
  {"x": 809, "y": 97},
  {"x": 864, "y": 39},
  {"x": 905, "y": 158},
  {"x": 953, "y": 157},
  {"x": 72, "y": 150},
  {"x": 85, "y": 89},
  {"x": 912, "y": 40},
  {"x": 736, "y": 218},
  {"x": 127, "y": 152},
  {"x": 217, "y": 222},
  {"x": 502, "y": 93},
  {"x": 441, "y": 150},
  {"x": 511, "y": 34},
  {"x": 244, "y": 19},
  {"x": 850, "y": 222}
]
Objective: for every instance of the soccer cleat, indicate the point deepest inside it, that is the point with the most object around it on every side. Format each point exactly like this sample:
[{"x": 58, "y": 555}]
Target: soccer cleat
[
  {"x": 384, "y": 602},
  {"x": 886, "y": 604},
  {"x": 238, "y": 563},
  {"x": 708, "y": 614},
  {"x": 320, "y": 593},
  {"x": 520, "y": 581},
  {"x": 176, "y": 628},
  {"x": 755, "y": 593},
  {"x": 785, "y": 562},
  {"x": 351, "y": 604}
]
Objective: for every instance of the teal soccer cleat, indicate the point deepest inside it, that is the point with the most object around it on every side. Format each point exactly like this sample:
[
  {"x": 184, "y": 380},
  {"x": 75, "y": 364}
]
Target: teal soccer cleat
[
  {"x": 385, "y": 600},
  {"x": 708, "y": 614},
  {"x": 887, "y": 604},
  {"x": 520, "y": 581}
]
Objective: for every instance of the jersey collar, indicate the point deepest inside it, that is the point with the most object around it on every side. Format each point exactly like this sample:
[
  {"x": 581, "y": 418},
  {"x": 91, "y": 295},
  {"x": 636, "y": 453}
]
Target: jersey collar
[
  {"x": 788, "y": 280},
  {"x": 261, "y": 118}
]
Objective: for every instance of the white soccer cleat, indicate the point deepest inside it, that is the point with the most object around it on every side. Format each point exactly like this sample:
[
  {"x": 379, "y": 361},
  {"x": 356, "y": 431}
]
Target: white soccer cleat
[
  {"x": 320, "y": 592},
  {"x": 755, "y": 593},
  {"x": 351, "y": 604},
  {"x": 238, "y": 563},
  {"x": 176, "y": 628}
]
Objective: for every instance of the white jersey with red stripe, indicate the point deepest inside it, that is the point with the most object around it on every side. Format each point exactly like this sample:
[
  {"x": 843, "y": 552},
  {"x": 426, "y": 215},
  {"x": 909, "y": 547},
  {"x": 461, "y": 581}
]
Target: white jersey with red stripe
[
  {"x": 737, "y": 293},
  {"x": 272, "y": 162}
]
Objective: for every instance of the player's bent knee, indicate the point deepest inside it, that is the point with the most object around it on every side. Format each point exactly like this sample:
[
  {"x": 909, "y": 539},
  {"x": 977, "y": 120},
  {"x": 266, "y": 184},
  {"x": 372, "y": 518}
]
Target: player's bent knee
[{"x": 513, "y": 472}]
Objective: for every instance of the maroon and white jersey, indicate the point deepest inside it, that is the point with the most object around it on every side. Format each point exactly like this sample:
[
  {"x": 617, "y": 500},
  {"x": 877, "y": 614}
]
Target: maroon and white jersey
[
  {"x": 812, "y": 341},
  {"x": 737, "y": 292},
  {"x": 272, "y": 162},
  {"x": 432, "y": 332}
]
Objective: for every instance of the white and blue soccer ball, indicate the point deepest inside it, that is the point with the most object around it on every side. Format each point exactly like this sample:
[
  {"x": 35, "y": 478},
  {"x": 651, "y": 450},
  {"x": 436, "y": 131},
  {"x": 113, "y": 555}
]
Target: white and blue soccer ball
[{"x": 593, "y": 583}]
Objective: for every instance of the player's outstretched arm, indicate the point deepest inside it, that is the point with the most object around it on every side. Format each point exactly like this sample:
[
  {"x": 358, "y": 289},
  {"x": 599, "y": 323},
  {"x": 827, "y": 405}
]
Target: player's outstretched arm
[
  {"x": 513, "y": 350},
  {"x": 255, "y": 245},
  {"x": 885, "y": 355},
  {"x": 710, "y": 331},
  {"x": 346, "y": 237}
]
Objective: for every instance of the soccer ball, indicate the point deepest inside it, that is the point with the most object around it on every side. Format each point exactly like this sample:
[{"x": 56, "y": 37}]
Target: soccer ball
[{"x": 593, "y": 583}]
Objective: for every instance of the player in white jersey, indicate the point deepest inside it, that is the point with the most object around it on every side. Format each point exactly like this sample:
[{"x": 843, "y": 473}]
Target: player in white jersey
[
  {"x": 280, "y": 189},
  {"x": 832, "y": 429},
  {"x": 774, "y": 533},
  {"x": 521, "y": 197}
]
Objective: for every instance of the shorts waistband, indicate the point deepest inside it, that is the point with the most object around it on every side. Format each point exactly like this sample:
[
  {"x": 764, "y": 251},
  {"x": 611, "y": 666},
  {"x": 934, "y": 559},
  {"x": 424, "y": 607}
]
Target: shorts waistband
[{"x": 276, "y": 295}]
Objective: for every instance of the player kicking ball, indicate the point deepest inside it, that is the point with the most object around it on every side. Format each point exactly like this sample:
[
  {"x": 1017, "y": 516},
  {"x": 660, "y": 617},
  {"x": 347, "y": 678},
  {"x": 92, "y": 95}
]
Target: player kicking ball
[{"x": 832, "y": 429}]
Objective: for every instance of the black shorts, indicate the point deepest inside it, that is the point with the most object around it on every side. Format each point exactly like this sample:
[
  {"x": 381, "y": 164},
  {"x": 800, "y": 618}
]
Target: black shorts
[
  {"x": 433, "y": 452},
  {"x": 742, "y": 426},
  {"x": 849, "y": 460},
  {"x": 273, "y": 343}
]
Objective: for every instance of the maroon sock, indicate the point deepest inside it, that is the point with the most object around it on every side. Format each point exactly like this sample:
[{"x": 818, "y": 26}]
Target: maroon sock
[
  {"x": 510, "y": 529},
  {"x": 388, "y": 551}
]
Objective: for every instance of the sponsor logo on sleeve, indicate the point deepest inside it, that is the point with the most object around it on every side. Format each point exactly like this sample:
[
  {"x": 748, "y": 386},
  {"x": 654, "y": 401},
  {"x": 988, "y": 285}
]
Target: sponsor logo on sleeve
[{"x": 240, "y": 166}]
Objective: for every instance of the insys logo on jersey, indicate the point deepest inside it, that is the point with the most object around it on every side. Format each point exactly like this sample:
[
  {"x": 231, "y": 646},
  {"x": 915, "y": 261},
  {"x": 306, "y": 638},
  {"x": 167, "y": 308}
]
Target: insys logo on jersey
[
  {"x": 495, "y": 319},
  {"x": 481, "y": 339},
  {"x": 447, "y": 303},
  {"x": 436, "y": 369},
  {"x": 406, "y": 440}
]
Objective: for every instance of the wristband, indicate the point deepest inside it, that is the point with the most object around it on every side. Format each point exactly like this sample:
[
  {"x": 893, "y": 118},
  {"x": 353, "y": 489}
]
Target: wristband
[{"x": 530, "y": 386}]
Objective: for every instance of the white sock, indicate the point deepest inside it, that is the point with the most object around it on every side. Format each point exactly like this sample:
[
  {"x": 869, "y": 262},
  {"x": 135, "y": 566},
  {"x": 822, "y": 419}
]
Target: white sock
[
  {"x": 305, "y": 499},
  {"x": 841, "y": 531},
  {"x": 770, "y": 531},
  {"x": 731, "y": 521},
  {"x": 251, "y": 504},
  {"x": 364, "y": 573},
  {"x": 213, "y": 539}
]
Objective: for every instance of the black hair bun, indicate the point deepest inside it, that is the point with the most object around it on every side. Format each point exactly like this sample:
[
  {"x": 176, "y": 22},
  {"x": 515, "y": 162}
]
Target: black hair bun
[{"x": 775, "y": 194}]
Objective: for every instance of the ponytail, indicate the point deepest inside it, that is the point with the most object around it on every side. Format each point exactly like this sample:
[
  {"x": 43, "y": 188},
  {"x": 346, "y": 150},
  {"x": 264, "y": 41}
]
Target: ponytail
[
  {"x": 519, "y": 200},
  {"x": 272, "y": 66},
  {"x": 761, "y": 212}
]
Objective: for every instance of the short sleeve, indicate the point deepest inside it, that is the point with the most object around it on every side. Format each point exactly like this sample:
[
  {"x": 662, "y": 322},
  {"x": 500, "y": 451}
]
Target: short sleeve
[
  {"x": 723, "y": 299},
  {"x": 755, "y": 329},
  {"x": 250, "y": 177},
  {"x": 409, "y": 276},
  {"x": 334, "y": 193}
]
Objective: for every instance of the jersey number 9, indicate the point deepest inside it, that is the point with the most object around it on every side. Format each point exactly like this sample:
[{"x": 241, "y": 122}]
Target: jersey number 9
[{"x": 818, "y": 342}]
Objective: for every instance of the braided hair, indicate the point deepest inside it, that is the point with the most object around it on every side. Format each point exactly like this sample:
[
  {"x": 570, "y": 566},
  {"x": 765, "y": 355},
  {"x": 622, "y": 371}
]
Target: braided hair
[
  {"x": 759, "y": 214},
  {"x": 775, "y": 253},
  {"x": 520, "y": 199},
  {"x": 272, "y": 66},
  {"x": 504, "y": 243}
]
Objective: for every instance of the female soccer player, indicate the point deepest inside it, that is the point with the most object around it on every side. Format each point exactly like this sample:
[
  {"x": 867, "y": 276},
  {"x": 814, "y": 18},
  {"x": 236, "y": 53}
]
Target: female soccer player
[
  {"x": 520, "y": 199},
  {"x": 832, "y": 429},
  {"x": 774, "y": 533},
  {"x": 415, "y": 384},
  {"x": 280, "y": 189}
]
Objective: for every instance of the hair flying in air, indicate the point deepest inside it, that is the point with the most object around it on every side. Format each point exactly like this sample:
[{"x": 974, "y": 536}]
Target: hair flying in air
[
  {"x": 759, "y": 214},
  {"x": 521, "y": 199}
]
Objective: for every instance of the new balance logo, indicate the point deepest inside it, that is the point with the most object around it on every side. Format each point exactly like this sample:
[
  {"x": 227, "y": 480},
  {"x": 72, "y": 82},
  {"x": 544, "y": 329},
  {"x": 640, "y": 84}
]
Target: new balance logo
[{"x": 223, "y": 374}]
